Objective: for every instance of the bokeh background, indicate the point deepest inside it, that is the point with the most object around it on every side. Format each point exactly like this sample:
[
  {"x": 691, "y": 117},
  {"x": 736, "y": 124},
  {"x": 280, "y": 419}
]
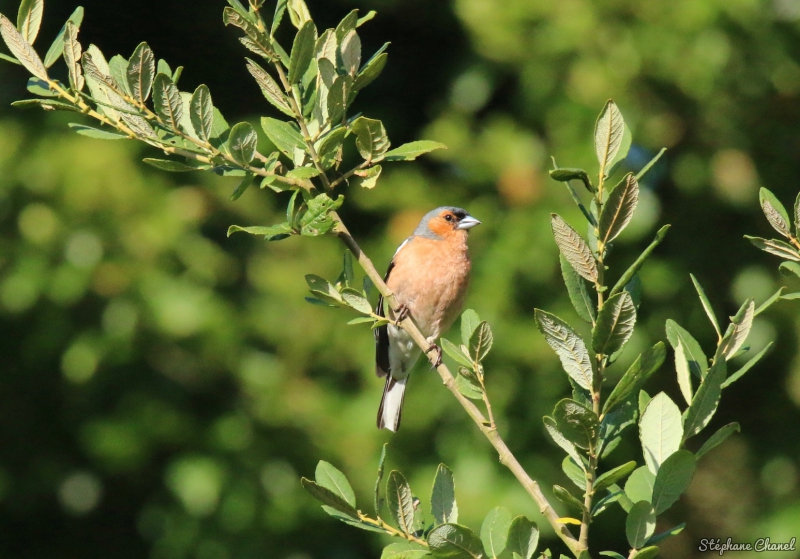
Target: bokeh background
[{"x": 163, "y": 387}]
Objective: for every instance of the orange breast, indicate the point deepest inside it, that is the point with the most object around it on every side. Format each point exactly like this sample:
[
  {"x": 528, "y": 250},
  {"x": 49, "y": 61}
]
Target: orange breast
[{"x": 431, "y": 278}]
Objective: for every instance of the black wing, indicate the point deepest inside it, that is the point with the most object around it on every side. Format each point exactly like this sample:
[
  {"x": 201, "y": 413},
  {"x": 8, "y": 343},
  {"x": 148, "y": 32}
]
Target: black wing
[{"x": 382, "y": 336}]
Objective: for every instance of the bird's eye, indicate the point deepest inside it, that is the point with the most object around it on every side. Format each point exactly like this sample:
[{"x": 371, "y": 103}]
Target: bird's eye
[{"x": 449, "y": 217}]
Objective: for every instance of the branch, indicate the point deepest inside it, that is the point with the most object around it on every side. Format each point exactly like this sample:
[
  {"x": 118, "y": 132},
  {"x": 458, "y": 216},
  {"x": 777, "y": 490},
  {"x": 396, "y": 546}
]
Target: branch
[{"x": 507, "y": 458}]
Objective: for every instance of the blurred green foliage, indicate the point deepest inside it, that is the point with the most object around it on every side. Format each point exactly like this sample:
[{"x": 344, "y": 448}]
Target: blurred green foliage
[{"x": 163, "y": 388}]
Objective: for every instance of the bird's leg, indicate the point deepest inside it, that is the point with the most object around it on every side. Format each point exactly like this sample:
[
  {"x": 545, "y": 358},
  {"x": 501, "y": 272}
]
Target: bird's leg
[{"x": 438, "y": 350}]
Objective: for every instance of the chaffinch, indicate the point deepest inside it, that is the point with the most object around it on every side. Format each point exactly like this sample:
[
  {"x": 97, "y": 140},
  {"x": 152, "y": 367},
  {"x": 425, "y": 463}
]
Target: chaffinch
[{"x": 429, "y": 276}]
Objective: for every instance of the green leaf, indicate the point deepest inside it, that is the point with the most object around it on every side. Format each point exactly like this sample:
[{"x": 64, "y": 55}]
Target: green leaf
[
  {"x": 664, "y": 535},
  {"x": 630, "y": 272},
  {"x": 523, "y": 537},
  {"x": 202, "y": 112},
  {"x": 660, "y": 431},
  {"x": 614, "y": 424},
  {"x": 788, "y": 268},
  {"x": 357, "y": 301},
  {"x": 772, "y": 299},
  {"x": 677, "y": 335},
  {"x": 332, "y": 479},
  {"x": 614, "y": 325},
  {"x": 455, "y": 353},
  {"x": 285, "y": 137},
  {"x": 46, "y": 104},
  {"x": 141, "y": 72},
  {"x": 40, "y": 88},
  {"x": 646, "y": 553},
  {"x": 672, "y": 479},
  {"x": 561, "y": 440},
  {"x": 269, "y": 87},
  {"x": 640, "y": 524},
  {"x": 453, "y": 541},
  {"x": 467, "y": 388},
  {"x": 480, "y": 343},
  {"x": 775, "y": 212},
  {"x": 639, "y": 486},
  {"x": 624, "y": 148},
  {"x": 350, "y": 521},
  {"x": 400, "y": 501},
  {"x": 776, "y": 247},
  {"x": 706, "y": 304},
  {"x": 644, "y": 400},
  {"x": 613, "y": 554},
  {"x": 317, "y": 219},
  {"x": 469, "y": 322},
  {"x": 280, "y": 8},
  {"x": 72, "y": 56},
  {"x": 371, "y": 70},
  {"x": 329, "y": 148},
  {"x": 167, "y": 101},
  {"x": 637, "y": 374},
  {"x": 608, "y": 134},
  {"x": 271, "y": 233},
  {"x": 574, "y": 248},
  {"x": 350, "y": 52},
  {"x": 443, "y": 497},
  {"x": 298, "y": 12},
  {"x": 563, "y": 495},
  {"x": 168, "y": 165},
  {"x": 574, "y": 472},
  {"x": 378, "y": 501},
  {"x": 412, "y": 150},
  {"x": 705, "y": 401},
  {"x": 242, "y": 143},
  {"x": 371, "y": 139},
  {"x": 404, "y": 550},
  {"x": 21, "y": 48},
  {"x": 613, "y": 476},
  {"x": 576, "y": 422},
  {"x": 302, "y": 51},
  {"x": 242, "y": 187},
  {"x": 742, "y": 323},
  {"x": 747, "y": 366},
  {"x": 367, "y": 178},
  {"x": 718, "y": 438},
  {"x": 578, "y": 292},
  {"x": 97, "y": 133},
  {"x": 568, "y": 346},
  {"x": 57, "y": 48},
  {"x": 494, "y": 531},
  {"x": 329, "y": 498},
  {"x": 29, "y": 19},
  {"x": 684, "y": 375},
  {"x": 602, "y": 504},
  {"x": 360, "y": 320},
  {"x": 566, "y": 175},
  {"x": 618, "y": 209}
]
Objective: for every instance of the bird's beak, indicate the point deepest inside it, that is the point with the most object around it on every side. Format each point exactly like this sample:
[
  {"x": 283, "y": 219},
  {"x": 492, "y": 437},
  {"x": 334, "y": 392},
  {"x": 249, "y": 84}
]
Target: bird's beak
[{"x": 468, "y": 223}]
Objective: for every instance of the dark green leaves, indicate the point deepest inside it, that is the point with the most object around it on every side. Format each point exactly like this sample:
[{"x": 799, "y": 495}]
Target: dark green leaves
[
  {"x": 141, "y": 72},
  {"x": 412, "y": 150},
  {"x": 271, "y": 233},
  {"x": 167, "y": 101},
  {"x": 608, "y": 134},
  {"x": 400, "y": 501},
  {"x": 372, "y": 69},
  {"x": 706, "y": 304},
  {"x": 672, "y": 479},
  {"x": 613, "y": 476},
  {"x": 523, "y": 537},
  {"x": 21, "y": 48},
  {"x": 453, "y": 541},
  {"x": 747, "y": 366},
  {"x": 705, "y": 401},
  {"x": 443, "y": 498},
  {"x": 568, "y": 346},
  {"x": 565, "y": 175},
  {"x": 614, "y": 324},
  {"x": 640, "y": 524},
  {"x": 242, "y": 143},
  {"x": 202, "y": 113},
  {"x": 371, "y": 139},
  {"x": 618, "y": 209},
  {"x": 55, "y": 50},
  {"x": 494, "y": 531},
  {"x": 379, "y": 478},
  {"x": 677, "y": 335},
  {"x": 269, "y": 87},
  {"x": 718, "y": 438},
  {"x": 636, "y": 375},
  {"x": 630, "y": 272},
  {"x": 574, "y": 248},
  {"x": 285, "y": 136},
  {"x": 775, "y": 212},
  {"x": 302, "y": 51},
  {"x": 578, "y": 292},
  {"x": 480, "y": 342},
  {"x": 576, "y": 422}
]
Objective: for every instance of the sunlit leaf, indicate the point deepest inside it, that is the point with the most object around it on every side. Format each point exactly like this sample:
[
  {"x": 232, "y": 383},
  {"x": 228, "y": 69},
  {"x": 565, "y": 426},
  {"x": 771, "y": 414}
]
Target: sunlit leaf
[
  {"x": 618, "y": 209},
  {"x": 672, "y": 479},
  {"x": 615, "y": 323},
  {"x": 574, "y": 248},
  {"x": 660, "y": 431},
  {"x": 494, "y": 531},
  {"x": 21, "y": 49},
  {"x": 569, "y": 347},
  {"x": 775, "y": 212},
  {"x": 640, "y": 524}
]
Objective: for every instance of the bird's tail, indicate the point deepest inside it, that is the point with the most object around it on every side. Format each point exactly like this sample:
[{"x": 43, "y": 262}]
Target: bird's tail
[{"x": 394, "y": 392}]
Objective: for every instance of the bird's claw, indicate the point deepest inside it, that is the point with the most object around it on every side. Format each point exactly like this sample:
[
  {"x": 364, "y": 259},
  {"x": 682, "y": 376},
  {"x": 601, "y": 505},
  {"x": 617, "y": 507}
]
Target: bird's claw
[
  {"x": 438, "y": 350},
  {"x": 402, "y": 313}
]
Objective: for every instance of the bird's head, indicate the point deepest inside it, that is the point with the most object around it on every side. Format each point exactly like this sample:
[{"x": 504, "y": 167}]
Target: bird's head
[{"x": 444, "y": 222}]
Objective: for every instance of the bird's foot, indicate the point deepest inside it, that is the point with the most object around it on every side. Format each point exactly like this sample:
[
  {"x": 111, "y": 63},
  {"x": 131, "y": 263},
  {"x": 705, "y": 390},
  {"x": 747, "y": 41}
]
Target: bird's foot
[
  {"x": 438, "y": 350},
  {"x": 402, "y": 313}
]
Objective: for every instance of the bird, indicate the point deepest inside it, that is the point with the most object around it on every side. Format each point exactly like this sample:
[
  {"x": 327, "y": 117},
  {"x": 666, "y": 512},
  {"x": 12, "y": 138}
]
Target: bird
[{"x": 429, "y": 276}]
